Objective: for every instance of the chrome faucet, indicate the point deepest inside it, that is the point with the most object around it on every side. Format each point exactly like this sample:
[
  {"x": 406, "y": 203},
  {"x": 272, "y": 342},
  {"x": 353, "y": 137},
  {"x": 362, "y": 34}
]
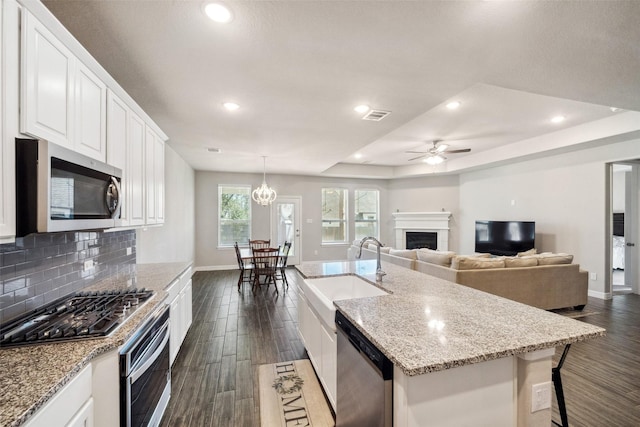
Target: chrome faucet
[{"x": 379, "y": 272}]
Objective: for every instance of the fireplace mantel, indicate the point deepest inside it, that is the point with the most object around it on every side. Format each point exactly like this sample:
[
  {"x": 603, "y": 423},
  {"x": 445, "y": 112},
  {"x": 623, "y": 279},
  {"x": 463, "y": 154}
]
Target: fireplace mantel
[{"x": 437, "y": 222}]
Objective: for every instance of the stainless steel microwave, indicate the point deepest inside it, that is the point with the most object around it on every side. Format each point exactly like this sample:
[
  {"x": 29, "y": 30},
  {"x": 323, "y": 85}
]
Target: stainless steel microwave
[{"x": 60, "y": 190}]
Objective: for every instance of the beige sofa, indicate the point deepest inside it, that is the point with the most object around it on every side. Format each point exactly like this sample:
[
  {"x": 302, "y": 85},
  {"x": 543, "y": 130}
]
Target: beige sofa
[{"x": 544, "y": 286}]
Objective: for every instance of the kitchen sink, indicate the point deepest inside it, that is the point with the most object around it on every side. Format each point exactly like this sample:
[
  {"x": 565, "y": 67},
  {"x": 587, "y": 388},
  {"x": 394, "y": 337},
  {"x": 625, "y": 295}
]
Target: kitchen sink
[{"x": 321, "y": 293}]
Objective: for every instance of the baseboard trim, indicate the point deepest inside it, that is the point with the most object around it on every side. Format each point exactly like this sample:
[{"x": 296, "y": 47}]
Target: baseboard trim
[
  {"x": 600, "y": 295},
  {"x": 216, "y": 267}
]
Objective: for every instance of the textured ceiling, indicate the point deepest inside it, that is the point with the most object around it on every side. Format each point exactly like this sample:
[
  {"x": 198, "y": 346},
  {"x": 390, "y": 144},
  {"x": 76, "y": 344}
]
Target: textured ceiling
[{"x": 297, "y": 69}]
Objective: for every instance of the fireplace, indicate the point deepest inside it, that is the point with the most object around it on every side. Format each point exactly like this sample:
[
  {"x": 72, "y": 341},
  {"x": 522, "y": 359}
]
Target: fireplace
[
  {"x": 421, "y": 239},
  {"x": 422, "y": 223}
]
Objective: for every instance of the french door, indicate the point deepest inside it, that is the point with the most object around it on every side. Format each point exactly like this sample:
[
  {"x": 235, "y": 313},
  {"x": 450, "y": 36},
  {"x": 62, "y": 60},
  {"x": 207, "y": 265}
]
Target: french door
[{"x": 285, "y": 214}]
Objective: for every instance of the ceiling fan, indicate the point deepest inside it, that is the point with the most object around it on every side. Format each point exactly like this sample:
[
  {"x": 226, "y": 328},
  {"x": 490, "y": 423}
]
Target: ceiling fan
[{"x": 434, "y": 155}]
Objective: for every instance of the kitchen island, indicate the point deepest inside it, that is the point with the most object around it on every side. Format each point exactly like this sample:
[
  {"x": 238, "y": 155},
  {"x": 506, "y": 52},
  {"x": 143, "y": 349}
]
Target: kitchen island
[{"x": 461, "y": 356}]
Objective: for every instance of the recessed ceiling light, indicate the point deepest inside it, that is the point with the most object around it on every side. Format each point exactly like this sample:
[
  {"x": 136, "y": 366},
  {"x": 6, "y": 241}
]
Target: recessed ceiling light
[
  {"x": 357, "y": 156},
  {"x": 362, "y": 108},
  {"x": 453, "y": 105},
  {"x": 614, "y": 109},
  {"x": 214, "y": 150},
  {"x": 231, "y": 106},
  {"x": 218, "y": 12},
  {"x": 558, "y": 119}
]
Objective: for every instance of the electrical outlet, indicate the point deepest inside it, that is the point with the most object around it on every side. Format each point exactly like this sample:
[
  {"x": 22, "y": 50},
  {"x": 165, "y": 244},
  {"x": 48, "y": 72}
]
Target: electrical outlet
[
  {"x": 88, "y": 265},
  {"x": 593, "y": 276},
  {"x": 129, "y": 250},
  {"x": 540, "y": 396}
]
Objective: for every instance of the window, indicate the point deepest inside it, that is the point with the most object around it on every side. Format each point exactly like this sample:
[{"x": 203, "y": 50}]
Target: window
[
  {"x": 234, "y": 214},
  {"x": 334, "y": 215},
  {"x": 366, "y": 213}
]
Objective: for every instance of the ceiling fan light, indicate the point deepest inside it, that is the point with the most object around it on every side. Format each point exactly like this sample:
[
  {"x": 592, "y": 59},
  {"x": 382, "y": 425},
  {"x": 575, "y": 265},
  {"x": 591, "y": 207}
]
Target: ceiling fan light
[
  {"x": 441, "y": 148},
  {"x": 434, "y": 160}
]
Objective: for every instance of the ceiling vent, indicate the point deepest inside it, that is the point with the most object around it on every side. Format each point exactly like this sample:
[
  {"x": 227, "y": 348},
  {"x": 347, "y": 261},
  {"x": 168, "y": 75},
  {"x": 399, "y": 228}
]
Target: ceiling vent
[{"x": 376, "y": 115}]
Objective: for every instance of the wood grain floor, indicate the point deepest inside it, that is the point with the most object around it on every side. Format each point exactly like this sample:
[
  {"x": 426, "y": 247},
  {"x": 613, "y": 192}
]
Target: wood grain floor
[{"x": 214, "y": 378}]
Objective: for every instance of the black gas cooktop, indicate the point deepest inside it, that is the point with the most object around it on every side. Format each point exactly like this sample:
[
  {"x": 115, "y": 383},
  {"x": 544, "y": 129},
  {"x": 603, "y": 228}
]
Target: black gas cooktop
[{"x": 83, "y": 315}]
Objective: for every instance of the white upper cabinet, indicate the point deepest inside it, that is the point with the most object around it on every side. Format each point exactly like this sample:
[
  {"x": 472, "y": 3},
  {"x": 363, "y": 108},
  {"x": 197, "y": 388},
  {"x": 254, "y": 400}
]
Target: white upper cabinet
[
  {"x": 91, "y": 115},
  {"x": 117, "y": 142},
  {"x": 47, "y": 84},
  {"x": 150, "y": 178},
  {"x": 154, "y": 169},
  {"x": 159, "y": 172},
  {"x": 135, "y": 170}
]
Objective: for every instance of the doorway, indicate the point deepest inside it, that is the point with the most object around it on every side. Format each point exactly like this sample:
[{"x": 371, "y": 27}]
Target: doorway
[
  {"x": 285, "y": 214},
  {"x": 624, "y": 208}
]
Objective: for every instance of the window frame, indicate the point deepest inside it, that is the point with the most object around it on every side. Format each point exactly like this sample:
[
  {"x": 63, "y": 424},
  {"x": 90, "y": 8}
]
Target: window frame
[
  {"x": 249, "y": 220},
  {"x": 344, "y": 220},
  {"x": 356, "y": 221}
]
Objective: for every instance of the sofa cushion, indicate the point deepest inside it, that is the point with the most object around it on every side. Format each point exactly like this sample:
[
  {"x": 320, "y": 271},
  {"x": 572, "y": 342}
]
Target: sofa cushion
[
  {"x": 385, "y": 249},
  {"x": 520, "y": 261},
  {"x": 481, "y": 255},
  {"x": 528, "y": 253},
  {"x": 404, "y": 253},
  {"x": 549, "y": 258},
  {"x": 475, "y": 263},
  {"x": 372, "y": 246},
  {"x": 435, "y": 257}
]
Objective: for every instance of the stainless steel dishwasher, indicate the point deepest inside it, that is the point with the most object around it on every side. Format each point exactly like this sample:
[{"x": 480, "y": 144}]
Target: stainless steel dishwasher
[{"x": 365, "y": 379}]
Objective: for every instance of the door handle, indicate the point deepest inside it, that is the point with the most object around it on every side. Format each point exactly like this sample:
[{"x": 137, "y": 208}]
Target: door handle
[{"x": 630, "y": 244}]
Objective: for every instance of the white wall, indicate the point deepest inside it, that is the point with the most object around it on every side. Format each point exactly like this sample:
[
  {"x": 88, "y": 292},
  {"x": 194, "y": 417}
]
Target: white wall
[
  {"x": 307, "y": 187},
  {"x": 565, "y": 194},
  {"x": 425, "y": 194},
  {"x": 173, "y": 241}
]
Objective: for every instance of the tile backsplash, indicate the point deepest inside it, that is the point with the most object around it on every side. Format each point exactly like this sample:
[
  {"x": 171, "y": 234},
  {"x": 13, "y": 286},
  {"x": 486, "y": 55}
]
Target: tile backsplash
[{"x": 40, "y": 268}]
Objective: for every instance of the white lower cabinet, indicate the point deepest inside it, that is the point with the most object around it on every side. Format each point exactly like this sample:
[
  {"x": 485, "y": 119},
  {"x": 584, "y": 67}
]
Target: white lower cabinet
[
  {"x": 180, "y": 312},
  {"x": 321, "y": 344},
  {"x": 71, "y": 406}
]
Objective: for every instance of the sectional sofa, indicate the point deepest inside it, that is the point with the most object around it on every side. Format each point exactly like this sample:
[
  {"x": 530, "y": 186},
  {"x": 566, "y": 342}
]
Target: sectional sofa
[{"x": 547, "y": 281}]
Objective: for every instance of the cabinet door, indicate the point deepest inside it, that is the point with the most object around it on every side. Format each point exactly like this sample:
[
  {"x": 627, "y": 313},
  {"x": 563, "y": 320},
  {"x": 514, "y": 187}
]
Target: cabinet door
[
  {"x": 158, "y": 165},
  {"x": 135, "y": 170},
  {"x": 174, "y": 329},
  {"x": 84, "y": 417},
  {"x": 90, "y": 114},
  {"x": 117, "y": 153},
  {"x": 329, "y": 363},
  {"x": 150, "y": 176},
  {"x": 47, "y": 84},
  {"x": 312, "y": 339},
  {"x": 188, "y": 301},
  {"x": 302, "y": 307}
]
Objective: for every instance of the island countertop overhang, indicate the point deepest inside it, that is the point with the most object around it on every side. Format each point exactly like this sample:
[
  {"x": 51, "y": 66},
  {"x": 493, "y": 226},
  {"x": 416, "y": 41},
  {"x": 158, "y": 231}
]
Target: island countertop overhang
[{"x": 427, "y": 324}]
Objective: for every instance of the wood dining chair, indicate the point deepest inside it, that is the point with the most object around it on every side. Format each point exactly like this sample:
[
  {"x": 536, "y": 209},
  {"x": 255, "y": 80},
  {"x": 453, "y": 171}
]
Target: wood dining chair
[
  {"x": 259, "y": 244},
  {"x": 282, "y": 264},
  {"x": 265, "y": 264},
  {"x": 246, "y": 269}
]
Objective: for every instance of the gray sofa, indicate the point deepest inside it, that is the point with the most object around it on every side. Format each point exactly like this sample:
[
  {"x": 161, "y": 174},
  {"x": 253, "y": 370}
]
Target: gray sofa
[{"x": 544, "y": 286}]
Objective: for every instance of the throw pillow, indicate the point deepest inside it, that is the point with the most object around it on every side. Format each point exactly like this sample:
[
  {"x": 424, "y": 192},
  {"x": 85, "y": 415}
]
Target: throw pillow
[
  {"x": 385, "y": 249},
  {"x": 528, "y": 253},
  {"x": 520, "y": 261},
  {"x": 435, "y": 257},
  {"x": 475, "y": 263},
  {"x": 554, "y": 259},
  {"x": 404, "y": 253}
]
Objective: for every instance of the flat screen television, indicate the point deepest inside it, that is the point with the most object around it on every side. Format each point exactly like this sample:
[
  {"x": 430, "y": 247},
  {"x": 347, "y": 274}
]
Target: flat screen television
[{"x": 505, "y": 237}]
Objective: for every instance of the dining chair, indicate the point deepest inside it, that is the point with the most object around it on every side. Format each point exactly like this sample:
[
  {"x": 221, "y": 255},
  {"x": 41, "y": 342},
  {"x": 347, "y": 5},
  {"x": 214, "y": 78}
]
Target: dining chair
[
  {"x": 259, "y": 244},
  {"x": 246, "y": 270},
  {"x": 282, "y": 264},
  {"x": 265, "y": 264}
]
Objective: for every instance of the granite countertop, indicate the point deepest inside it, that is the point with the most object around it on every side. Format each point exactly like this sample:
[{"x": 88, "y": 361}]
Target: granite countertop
[
  {"x": 31, "y": 375},
  {"x": 427, "y": 324}
]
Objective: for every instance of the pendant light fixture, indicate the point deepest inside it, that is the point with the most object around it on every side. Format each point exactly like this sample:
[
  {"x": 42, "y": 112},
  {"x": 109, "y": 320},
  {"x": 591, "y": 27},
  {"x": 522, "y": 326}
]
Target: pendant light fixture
[{"x": 264, "y": 195}]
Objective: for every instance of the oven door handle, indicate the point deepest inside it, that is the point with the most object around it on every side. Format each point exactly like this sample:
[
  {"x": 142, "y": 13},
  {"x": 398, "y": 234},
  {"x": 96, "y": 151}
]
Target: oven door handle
[{"x": 149, "y": 359}]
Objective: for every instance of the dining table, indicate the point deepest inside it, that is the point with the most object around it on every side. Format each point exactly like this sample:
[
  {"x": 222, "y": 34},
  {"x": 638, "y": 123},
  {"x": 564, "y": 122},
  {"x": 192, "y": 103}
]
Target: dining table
[{"x": 247, "y": 254}]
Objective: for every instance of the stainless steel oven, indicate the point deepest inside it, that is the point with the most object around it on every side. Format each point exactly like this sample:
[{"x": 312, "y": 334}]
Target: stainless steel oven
[
  {"x": 145, "y": 373},
  {"x": 61, "y": 190}
]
